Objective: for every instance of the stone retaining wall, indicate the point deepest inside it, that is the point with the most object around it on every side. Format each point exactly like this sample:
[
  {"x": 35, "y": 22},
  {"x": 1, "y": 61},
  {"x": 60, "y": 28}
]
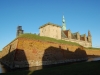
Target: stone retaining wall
[{"x": 27, "y": 53}]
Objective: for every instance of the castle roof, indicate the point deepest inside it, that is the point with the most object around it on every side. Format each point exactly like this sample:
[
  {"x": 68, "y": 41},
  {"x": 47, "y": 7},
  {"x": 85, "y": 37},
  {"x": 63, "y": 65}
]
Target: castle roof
[
  {"x": 75, "y": 33},
  {"x": 68, "y": 30},
  {"x": 49, "y": 24},
  {"x": 82, "y": 35},
  {"x": 63, "y": 34}
]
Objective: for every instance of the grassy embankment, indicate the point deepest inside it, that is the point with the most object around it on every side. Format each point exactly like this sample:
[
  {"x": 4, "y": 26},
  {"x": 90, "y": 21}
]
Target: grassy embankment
[
  {"x": 84, "y": 68},
  {"x": 43, "y": 38},
  {"x": 48, "y": 39}
]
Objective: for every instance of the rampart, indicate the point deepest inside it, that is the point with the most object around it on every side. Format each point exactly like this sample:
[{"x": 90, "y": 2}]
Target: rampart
[{"x": 24, "y": 52}]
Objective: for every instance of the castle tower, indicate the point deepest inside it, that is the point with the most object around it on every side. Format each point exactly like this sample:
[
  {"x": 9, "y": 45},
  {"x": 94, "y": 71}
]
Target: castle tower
[
  {"x": 78, "y": 35},
  {"x": 63, "y": 24},
  {"x": 19, "y": 31},
  {"x": 89, "y": 36}
]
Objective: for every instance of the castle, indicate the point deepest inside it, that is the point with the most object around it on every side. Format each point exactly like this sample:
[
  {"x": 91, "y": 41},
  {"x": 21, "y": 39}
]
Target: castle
[
  {"x": 28, "y": 52},
  {"x": 60, "y": 32}
]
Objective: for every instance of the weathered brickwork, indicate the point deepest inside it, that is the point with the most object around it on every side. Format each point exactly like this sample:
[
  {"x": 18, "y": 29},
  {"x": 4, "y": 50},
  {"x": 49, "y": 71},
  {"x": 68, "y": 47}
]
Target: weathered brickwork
[
  {"x": 39, "y": 52},
  {"x": 27, "y": 53},
  {"x": 9, "y": 48},
  {"x": 8, "y": 52}
]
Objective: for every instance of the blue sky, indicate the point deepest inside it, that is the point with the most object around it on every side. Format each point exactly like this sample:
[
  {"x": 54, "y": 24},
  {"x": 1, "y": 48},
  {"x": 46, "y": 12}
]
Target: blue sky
[{"x": 80, "y": 15}]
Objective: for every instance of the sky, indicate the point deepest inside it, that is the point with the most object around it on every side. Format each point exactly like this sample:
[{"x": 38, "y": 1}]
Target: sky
[{"x": 80, "y": 16}]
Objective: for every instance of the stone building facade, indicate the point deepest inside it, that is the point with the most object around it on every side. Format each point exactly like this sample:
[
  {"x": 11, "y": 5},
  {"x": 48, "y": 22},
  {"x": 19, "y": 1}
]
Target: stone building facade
[
  {"x": 60, "y": 32},
  {"x": 50, "y": 30}
]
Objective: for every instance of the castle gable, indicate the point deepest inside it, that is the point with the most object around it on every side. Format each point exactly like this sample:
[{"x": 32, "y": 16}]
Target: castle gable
[
  {"x": 51, "y": 30},
  {"x": 83, "y": 37},
  {"x": 49, "y": 24},
  {"x": 63, "y": 35},
  {"x": 66, "y": 32},
  {"x": 74, "y": 35}
]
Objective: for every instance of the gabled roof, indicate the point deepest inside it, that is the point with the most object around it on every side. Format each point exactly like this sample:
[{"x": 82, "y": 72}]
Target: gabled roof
[
  {"x": 68, "y": 30},
  {"x": 63, "y": 34},
  {"x": 49, "y": 24},
  {"x": 82, "y": 35},
  {"x": 74, "y": 36},
  {"x": 75, "y": 33}
]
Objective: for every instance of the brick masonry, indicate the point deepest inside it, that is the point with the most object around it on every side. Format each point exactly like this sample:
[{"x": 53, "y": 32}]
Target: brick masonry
[{"x": 24, "y": 52}]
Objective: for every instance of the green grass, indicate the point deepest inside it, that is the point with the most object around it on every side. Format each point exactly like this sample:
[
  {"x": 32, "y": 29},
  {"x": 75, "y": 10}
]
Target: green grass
[
  {"x": 83, "y": 68},
  {"x": 43, "y": 38}
]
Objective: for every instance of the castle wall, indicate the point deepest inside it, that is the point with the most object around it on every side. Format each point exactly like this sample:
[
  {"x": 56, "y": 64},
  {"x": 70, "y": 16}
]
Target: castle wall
[
  {"x": 28, "y": 53},
  {"x": 69, "y": 34},
  {"x": 78, "y": 36},
  {"x": 9, "y": 48},
  {"x": 85, "y": 38},
  {"x": 55, "y": 32},
  {"x": 45, "y": 53},
  {"x": 51, "y": 31},
  {"x": 45, "y": 31},
  {"x": 83, "y": 43},
  {"x": 89, "y": 39},
  {"x": 8, "y": 52}
]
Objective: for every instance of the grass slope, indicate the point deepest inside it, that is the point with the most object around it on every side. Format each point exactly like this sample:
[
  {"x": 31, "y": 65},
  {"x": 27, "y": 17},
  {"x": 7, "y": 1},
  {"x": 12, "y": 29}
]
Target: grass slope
[{"x": 43, "y": 38}]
